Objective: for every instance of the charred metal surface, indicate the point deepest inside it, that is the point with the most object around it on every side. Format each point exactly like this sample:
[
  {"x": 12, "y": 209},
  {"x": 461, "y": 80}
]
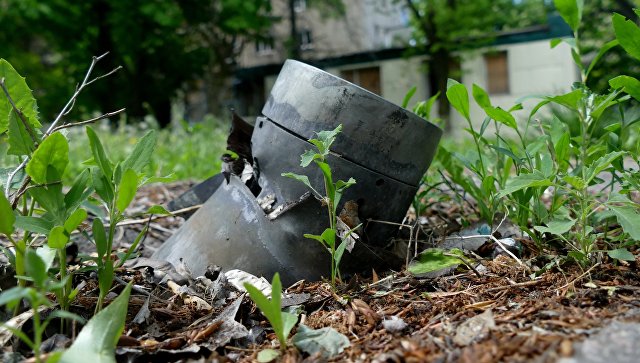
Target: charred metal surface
[
  {"x": 376, "y": 134},
  {"x": 198, "y": 194},
  {"x": 384, "y": 147}
]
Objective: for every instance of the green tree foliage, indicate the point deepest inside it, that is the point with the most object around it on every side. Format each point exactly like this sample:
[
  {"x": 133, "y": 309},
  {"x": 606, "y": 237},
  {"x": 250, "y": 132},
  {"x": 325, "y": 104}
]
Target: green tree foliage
[
  {"x": 161, "y": 44},
  {"x": 596, "y": 33},
  {"x": 443, "y": 27}
]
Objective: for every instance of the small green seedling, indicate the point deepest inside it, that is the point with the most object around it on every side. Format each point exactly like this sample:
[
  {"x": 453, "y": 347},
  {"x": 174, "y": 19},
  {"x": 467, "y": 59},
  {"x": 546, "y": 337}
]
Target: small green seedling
[
  {"x": 331, "y": 198},
  {"x": 281, "y": 321}
]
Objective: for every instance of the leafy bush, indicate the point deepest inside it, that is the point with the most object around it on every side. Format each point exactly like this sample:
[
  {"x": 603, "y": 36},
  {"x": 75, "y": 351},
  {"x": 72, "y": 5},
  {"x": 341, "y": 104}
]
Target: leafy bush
[{"x": 565, "y": 157}]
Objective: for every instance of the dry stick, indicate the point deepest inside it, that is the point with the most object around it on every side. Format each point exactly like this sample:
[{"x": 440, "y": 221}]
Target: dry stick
[
  {"x": 400, "y": 225},
  {"x": 26, "y": 124},
  {"x": 579, "y": 277},
  {"x": 80, "y": 123},
  {"x": 65, "y": 110},
  {"x": 496, "y": 241}
]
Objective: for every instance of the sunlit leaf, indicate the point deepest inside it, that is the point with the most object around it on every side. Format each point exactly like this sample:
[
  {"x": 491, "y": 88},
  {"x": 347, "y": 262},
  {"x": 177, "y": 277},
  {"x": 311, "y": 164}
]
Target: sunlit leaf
[
  {"x": 7, "y": 218},
  {"x": 535, "y": 179},
  {"x": 127, "y": 189},
  {"x": 621, "y": 254},
  {"x": 628, "y": 35},
  {"x": 141, "y": 153},
  {"x": 458, "y": 96},
  {"x": 21, "y": 95},
  {"x": 99, "y": 155},
  {"x": 434, "y": 259},
  {"x": 571, "y": 11},
  {"x": 49, "y": 160},
  {"x": 57, "y": 238},
  {"x": 97, "y": 340},
  {"x": 557, "y": 226}
]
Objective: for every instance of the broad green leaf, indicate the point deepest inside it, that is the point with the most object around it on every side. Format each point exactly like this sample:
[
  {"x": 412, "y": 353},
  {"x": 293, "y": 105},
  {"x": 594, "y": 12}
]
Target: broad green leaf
[
  {"x": 281, "y": 322},
  {"x": 301, "y": 178},
  {"x": 105, "y": 276},
  {"x": 34, "y": 224},
  {"x": 158, "y": 210},
  {"x": 629, "y": 219},
  {"x": 325, "y": 342},
  {"x": 407, "y": 97},
  {"x": 601, "y": 164},
  {"x": 117, "y": 174},
  {"x": 97, "y": 340},
  {"x": 267, "y": 355},
  {"x": 502, "y": 116},
  {"x": 341, "y": 184},
  {"x": 481, "y": 96},
  {"x": 99, "y": 155},
  {"x": 575, "y": 181},
  {"x": 36, "y": 269},
  {"x": 458, "y": 96},
  {"x": 11, "y": 297},
  {"x": 557, "y": 226},
  {"x": 535, "y": 179},
  {"x": 102, "y": 185},
  {"x": 308, "y": 156},
  {"x": 561, "y": 148},
  {"x": 434, "y": 259},
  {"x": 79, "y": 191},
  {"x": 329, "y": 236},
  {"x": 628, "y": 35},
  {"x": 21, "y": 95},
  {"x": 20, "y": 140},
  {"x": 100, "y": 238},
  {"x": 621, "y": 254},
  {"x": 74, "y": 220},
  {"x": 127, "y": 189},
  {"x": 628, "y": 84},
  {"x": 328, "y": 137},
  {"x": 7, "y": 218},
  {"x": 315, "y": 237},
  {"x": 57, "y": 238},
  {"x": 51, "y": 199},
  {"x": 49, "y": 160},
  {"x": 507, "y": 152},
  {"x": 603, "y": 50},
  {"x": 328, "y": 177},
  {"x": 571, "y": 11},
  {"x": 337, "y": 257},
  {"x": 423, "y": 109},
  {"x": 141, "y": 154},
  {"x": 48, "y": 256},
  {"x": 569, "y": 100}
]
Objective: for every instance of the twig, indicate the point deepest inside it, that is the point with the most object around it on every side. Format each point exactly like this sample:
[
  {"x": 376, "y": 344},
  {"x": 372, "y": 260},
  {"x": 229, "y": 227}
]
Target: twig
[
  {"x": 519, "y": 284},
  {"x": 496, "y": 241},
  {"x": 579, "y": 277},
  {"x": 26, "y": 124},
  {"x": 80, "y": 123},
  {"x": 104, "y": 75},
  {"x": 65, "y": 110},
  {"x": 410, "y": 235}
]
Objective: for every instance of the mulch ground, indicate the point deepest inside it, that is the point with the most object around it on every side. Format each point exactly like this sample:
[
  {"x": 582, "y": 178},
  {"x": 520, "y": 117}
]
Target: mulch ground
[{"x": 497, "y": 313}]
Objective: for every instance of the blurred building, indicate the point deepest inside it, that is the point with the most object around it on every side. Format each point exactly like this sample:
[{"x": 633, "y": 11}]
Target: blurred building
[{"x": 368, "y": 45}]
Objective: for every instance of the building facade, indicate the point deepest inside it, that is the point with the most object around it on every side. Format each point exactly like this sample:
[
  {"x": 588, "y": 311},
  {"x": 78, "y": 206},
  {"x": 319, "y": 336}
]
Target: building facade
[{"x": 367, "y": 45}]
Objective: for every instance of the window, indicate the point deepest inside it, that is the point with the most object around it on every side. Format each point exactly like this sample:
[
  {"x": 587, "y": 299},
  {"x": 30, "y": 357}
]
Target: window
[
  {"x": 299, "y": 5},
  {"x": 304, "y": 39},
  {"x": 497, "y": 72},
  {"x": 367, "y": 78},
  {"x": 264, "y": 46}
]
